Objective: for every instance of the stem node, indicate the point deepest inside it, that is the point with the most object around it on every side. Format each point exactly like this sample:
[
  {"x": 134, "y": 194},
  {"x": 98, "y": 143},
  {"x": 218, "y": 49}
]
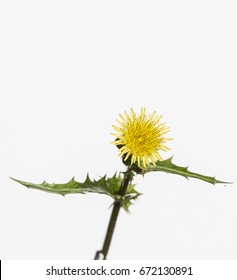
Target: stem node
[{"x": 102, "y": 254}]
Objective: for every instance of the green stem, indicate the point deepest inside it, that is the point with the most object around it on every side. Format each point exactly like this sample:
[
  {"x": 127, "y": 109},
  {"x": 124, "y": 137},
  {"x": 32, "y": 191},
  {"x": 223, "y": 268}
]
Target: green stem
[{"x": 113, "y": 218}]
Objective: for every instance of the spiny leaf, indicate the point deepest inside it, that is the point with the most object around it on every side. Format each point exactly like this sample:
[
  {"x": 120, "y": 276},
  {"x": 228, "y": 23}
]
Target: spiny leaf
[
  {"x": 168, "y": 167},
  {"x": 127, "y": 202},
  {"x": 105, "y": 185}
]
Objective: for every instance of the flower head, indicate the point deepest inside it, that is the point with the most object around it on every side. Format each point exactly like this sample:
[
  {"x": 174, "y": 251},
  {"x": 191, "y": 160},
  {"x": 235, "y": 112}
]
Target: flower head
[{"x": 140, "y": 137}]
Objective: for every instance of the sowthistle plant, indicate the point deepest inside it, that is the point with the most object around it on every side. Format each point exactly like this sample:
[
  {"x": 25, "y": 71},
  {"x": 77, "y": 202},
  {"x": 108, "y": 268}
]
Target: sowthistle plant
[{"x": 139, "y": 138}]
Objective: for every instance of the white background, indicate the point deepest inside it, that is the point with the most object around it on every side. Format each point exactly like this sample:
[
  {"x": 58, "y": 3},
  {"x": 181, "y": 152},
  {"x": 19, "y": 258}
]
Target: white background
[{"x": 67, "y": 69}]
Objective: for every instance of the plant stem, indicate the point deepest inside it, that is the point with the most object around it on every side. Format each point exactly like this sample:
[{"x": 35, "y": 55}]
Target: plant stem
[{"x": 113, "y": 218}]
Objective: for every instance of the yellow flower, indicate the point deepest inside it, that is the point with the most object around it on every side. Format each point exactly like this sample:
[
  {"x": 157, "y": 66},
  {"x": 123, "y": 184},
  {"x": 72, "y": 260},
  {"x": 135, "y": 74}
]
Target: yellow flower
[{"x": 140, "y": 137}]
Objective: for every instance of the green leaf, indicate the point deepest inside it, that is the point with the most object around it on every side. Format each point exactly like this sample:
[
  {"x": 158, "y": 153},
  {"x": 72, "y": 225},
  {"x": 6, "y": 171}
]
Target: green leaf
[
  {"x": 105, "y": 185},
  {"x": 168, "y": 167}
]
